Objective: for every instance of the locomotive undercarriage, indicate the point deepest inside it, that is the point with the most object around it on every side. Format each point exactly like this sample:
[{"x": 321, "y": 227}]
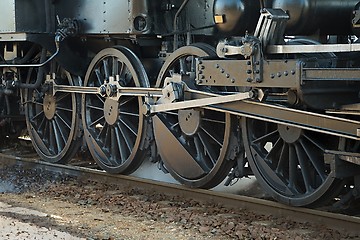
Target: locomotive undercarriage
[{"x": 207, "y": 115}]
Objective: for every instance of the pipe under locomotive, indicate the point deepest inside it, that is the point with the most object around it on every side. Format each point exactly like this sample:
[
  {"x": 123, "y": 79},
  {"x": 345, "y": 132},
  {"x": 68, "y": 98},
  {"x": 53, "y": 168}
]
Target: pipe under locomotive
[{"x": 206, "y": 89}]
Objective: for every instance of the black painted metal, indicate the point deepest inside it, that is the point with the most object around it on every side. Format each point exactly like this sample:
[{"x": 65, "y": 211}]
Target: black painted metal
[
  {"x": 289, "y": 162},
  {"x": 199, "y": 159},
  {"x": 53, "y": 121},
  {"x": 308, "y": 16},
  {"x": 115, "y": 129}
]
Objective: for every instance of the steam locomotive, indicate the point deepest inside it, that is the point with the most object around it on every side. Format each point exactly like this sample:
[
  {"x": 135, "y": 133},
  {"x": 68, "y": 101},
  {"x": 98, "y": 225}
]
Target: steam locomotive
[{"x": 207, "y": 89}]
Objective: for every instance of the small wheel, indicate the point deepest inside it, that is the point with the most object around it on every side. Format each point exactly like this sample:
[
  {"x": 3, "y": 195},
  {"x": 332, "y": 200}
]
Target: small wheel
[
  {"x": 53, "y": 121},
  {"x": 193, "y": 143},
  {"x": 114, "y": 128},
  {"x": 289, "y": 162}
]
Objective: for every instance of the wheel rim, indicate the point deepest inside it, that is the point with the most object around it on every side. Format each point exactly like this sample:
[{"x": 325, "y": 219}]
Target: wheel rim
[
  {"x": 192, "y": 150},
  {"x": 53, "y": 121},
  {"x": 289, "y": 162},
  {"x": 113, "y": 127}
]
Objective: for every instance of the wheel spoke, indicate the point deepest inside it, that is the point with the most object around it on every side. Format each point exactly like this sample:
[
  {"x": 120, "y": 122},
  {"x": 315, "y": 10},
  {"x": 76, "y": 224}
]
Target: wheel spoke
[
  {"x": 125, "y": 76},
  {"x": 284, "y": 154},
  {"x": 265, "y": 138},
  {"x": 52, "y": 137},
  {"x": 292, "y": 167},
  {"x": 212, "y": 136},
  {"x": 213, "y": 121},
  {"x": 64, "y": 109},
  {"x": 38, "y": 103},
  {"x": 115, "y": 66},
  {"x": 200, "y": 154},
  {"x": 102, "y": 132},
  {"x": 129, "y": 114},
  {"x": 94, "y": 107},
  {"x": 114, "y": 152},
  {"x": 40, "y": 114},
  {"x": 100, "y": 98},
  {"x": 106, "y": 140},
  {"x": 125, "y": 136},
  {"x": 57, "y": 138},
  {"x": 41, "y": 126},
  {"x": 274, "y": 151},
  {"x": 99, "y": 77},
  {"x": 122, "y": 151},
  {"x": 303, "y": 167},
  {"x": 319, "y": 167},
  {"x": 128, "y": 100},
  {"x": 46, "y": 133},
  {"x": 97, "y": 121},
  {"x": 62, "y": 97},
  {"x": 208, "y": 149},
  {"x": 129, "y": 125},
  {"x": 174, "y": 126},
  {"x": 317, "y": 144},
  {"x": 61, "y": 130},
  {"x": 105, "y": 63},
  {"x": 66, "y": 123}
]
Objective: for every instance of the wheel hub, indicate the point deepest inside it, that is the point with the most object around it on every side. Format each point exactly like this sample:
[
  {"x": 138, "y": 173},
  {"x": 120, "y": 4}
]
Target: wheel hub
[
  {"x": 49, "y": 106},
  {"x": 189, "y": 121},
  {"x": 289, "y": 134},
  {"x": 111, "y": 111},
  {"x": 111, "y": 90}
]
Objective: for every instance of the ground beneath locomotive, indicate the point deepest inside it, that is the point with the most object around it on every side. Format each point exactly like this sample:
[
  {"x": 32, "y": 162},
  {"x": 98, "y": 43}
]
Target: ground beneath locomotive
[{"x": 92, "y": 210}]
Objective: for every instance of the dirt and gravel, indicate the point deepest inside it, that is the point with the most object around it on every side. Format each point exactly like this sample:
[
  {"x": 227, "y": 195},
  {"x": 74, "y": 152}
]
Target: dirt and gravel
[{"x": 96, "y": 211}]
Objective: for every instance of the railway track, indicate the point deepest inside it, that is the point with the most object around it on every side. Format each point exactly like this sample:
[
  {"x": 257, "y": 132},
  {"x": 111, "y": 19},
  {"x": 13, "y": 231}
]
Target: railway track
[{"x": 328, "y": 219}]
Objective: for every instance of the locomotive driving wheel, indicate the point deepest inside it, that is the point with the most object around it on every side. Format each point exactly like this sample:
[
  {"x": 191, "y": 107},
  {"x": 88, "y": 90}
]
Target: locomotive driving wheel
[
  {"x": 114, "y": 126},
  {"x": 193, "y": 143},
  {"x": 289, "y": 162},
  {"x": 53, "y": 120}
]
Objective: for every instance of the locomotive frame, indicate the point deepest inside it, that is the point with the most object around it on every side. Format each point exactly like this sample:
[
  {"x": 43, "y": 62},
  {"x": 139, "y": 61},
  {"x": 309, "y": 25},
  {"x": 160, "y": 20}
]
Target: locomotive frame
[{"x": 229, "y": 92}]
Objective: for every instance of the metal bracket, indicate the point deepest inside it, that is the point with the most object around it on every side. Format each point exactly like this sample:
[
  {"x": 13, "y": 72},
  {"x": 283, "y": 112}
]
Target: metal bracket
[
  {"x": 250, "y": 48},
  {"x": 350, "y": 157},
  {"x": 234, "y": 72},
  {"x": 271, "y": 26}
]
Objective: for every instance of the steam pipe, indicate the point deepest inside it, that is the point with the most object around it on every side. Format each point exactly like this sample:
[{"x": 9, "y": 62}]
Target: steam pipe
[
  {"x": 43, "y": 61},
  {"x": 33, "y": 65},
  {"x": 175, "y": 22},
  {"x": 40, "y": 74}
]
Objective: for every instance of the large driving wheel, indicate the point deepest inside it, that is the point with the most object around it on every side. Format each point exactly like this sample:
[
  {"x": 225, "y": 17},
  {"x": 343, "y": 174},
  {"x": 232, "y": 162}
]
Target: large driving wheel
[
  {"x": 193, "y": 143},
  {"x": 53, "y": 121},
  {"x": 114, "y": 127},
  {"x": 289, "y": 162}
]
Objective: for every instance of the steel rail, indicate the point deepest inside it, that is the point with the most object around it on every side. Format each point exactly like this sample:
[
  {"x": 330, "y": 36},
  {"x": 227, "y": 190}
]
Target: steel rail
[{"x": 259, "y": 206}]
